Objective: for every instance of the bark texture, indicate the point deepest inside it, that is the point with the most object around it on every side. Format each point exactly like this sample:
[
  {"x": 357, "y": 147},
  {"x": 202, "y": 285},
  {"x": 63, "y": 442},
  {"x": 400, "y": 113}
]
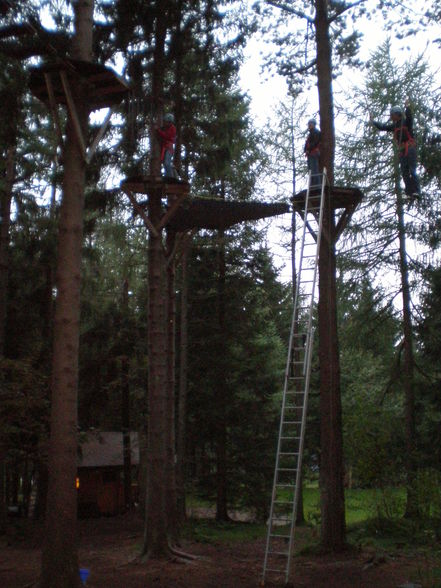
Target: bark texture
[
  {"x": 333, "y": 534},
  {"x": 60, "y": 554},
  {"x": 182, "y": 397},
  {"x": 409, "y": 363},
  {"x": 160, "y": 513}
]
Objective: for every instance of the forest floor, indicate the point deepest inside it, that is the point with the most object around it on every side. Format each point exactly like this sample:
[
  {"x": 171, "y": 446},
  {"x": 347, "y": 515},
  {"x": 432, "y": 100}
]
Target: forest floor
[{"x": 109, "y": 548}]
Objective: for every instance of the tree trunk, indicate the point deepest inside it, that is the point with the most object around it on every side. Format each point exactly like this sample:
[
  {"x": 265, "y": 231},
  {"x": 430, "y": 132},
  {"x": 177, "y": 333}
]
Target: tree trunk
[
  {"x": 331, "y": 459},
  {"x": 157, "y": 528},
  {"x": 173, "y": 518},
  {"x": 182, "y": 398},
  {"x": 221, "y": 394},
  {"x": 177, "y": 90},
  {"x": 333, "y": 533},
  {"x": 5, "y": 219},
  {"x": 408, "y": 371},
  {"x": 125, "y": 405},
  {"x": 41, "y": 492},
  {"x": 60, "y": 555}
]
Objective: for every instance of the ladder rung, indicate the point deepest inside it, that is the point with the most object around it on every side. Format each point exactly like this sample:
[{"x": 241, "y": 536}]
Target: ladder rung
[
  {"x": 288, "y": 453},
  {"x": 285, "y": 485},
  {"x": 286, "y": 469},
  {"x": 295, "y": 386}
]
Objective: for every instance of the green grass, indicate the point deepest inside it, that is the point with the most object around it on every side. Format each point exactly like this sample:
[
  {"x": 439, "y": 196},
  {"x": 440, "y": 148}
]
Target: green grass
[
  {"x": 211, "y": 531},
  {"x": 374, "y": 518},
  {"x": 360, "y": 504}
]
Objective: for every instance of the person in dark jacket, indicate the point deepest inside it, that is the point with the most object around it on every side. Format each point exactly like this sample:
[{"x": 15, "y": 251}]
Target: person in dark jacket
[
  {"x": 401, "y": 126},
  {"x": 312, "y": 152}
]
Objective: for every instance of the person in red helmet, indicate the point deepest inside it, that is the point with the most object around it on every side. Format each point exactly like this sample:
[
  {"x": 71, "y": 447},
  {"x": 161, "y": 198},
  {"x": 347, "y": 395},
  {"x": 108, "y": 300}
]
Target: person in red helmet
[
  {"x": 401, "y": 126},
  {"x": 167, "y": 139}
]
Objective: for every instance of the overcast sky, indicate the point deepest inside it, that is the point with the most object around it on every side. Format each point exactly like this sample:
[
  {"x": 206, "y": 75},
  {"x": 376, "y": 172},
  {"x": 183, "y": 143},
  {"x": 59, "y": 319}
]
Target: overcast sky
[{"x": 265, "y": 93}]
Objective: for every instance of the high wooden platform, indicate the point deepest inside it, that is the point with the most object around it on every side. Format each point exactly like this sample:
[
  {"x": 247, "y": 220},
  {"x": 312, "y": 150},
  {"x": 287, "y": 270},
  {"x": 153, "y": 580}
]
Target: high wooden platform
[
  {"x": 342, "y": 199},
  {"x": 147, "y": 184},
  {"x": 213, "y": 213},
  {"x": 183, "y": 213},
  {"x": 339, "y": 197},
  {"x": 105, "y": 87}
]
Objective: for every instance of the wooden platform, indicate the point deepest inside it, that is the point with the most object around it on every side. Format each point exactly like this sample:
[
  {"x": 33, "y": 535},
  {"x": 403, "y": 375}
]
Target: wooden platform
[
  {"x": 216, "y": 214},
  {"x": 348, "y": 198},
  {"x": 146, "y": 184},
  {"x": 106, "y": 88}
]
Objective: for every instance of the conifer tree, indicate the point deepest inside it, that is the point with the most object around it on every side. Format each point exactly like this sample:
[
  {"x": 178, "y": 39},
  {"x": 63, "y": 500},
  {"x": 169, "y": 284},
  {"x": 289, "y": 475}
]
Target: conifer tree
[{"x": 395, "y": 223}]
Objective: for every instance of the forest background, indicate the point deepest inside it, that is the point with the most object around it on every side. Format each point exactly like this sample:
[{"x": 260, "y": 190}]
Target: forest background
[{"x": 236, "y": 304}]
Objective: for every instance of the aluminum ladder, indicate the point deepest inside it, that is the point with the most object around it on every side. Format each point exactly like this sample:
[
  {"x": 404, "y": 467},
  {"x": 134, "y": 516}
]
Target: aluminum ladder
[{"x": 288, "y": 467}]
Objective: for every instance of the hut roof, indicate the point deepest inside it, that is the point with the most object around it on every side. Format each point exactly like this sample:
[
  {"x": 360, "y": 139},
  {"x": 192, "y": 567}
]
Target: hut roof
[{"x": 105, "y": 449}]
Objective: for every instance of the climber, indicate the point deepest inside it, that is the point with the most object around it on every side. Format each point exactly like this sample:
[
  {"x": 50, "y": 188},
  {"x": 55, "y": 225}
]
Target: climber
[
  {"x": 312, "y": 152},
  {"x": 402, "y": 129},
  {"x": 167, "y": 139}
]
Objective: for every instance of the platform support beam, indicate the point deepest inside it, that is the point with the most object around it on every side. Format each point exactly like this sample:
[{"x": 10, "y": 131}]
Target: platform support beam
[
  {"x": 100, "y": 134},
  {"x": 73, "y": 113},
  {"x": 54, "y": 109}
]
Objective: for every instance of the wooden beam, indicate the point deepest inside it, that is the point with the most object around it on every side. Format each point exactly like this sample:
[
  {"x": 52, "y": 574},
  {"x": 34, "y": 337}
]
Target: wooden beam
[
  {"x": 54, "y": 109},
  {"x": 343, "y": 221},
  {"x": 103, "y": 128},
  {"x": 172, "y": 210},
  {"x": 308, "y": 226},
  {"x": 73, "y": 112},
  {"x": 141, "y": 212}
]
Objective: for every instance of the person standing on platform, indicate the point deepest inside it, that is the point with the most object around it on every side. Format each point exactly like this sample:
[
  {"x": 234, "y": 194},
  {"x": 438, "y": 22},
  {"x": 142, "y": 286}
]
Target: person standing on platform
[
  {"x": 402, "y": 129},
  {"x": 167, "y": 138},
  {"x": 312, "y": 152}
]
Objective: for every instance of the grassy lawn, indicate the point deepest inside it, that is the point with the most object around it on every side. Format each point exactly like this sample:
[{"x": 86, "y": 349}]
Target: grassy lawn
[
  {"x": 374, "y": 517},
  {"x": 361, "y": 504}
]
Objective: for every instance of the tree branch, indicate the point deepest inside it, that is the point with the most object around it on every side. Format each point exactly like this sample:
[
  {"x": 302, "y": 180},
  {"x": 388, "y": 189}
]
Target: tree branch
[
  {"x": 16, "y": 30},
  {"x": 306, "y": 67},
  {"x": 292, "y": 10},
  {"x": 344, "y": 8}
]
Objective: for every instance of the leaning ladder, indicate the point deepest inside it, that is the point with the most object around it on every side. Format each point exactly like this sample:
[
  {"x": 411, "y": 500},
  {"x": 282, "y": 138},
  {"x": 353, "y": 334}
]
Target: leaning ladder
[{"x": 287, "y": 474}]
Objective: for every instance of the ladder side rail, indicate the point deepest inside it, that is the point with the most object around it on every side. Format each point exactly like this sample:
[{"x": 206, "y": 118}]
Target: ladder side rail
[
  {"x": 307, "y": 373},
  {"x": 317, "y": 254},
  {"x": 300, "y": 268},
  {"x": 295, "y": 314},
  {"x": 300, "y": 456},
  {"x": 285, "y": 386},
  {"x": 295, "y": 320}
]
